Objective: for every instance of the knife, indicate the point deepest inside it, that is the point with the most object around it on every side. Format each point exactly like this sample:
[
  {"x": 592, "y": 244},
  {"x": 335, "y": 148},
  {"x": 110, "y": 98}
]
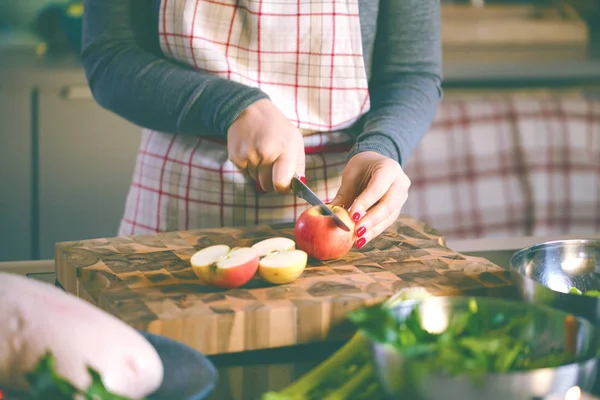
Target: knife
[{"x": 302, "y": 191}]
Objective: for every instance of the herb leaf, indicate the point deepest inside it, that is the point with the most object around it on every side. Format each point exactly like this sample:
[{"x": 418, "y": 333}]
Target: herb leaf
[
  {"x": 97, "y": 391},
  {"x": 378, "y": 323},
  {"x": 45, "y": 383}
]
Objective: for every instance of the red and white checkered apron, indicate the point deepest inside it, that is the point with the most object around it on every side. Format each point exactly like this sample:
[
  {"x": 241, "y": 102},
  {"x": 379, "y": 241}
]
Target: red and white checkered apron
[
  {"x": 509, "y": 166},
  {"x": 306, "y": 55}
]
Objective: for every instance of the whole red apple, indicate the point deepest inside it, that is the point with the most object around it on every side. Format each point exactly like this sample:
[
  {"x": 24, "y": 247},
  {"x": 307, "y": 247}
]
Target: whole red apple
[
  {"x": 223, "y": 267},
  {"x": 317, "y": 234}
]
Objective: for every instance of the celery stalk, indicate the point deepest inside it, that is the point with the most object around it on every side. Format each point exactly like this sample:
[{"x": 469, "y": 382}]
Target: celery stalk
[
  {"x": 363, "y": 385},
  {"x": 332, "y": 373}
]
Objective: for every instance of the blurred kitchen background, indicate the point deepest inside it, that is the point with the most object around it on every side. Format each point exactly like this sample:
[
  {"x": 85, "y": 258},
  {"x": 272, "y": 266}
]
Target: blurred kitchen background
[{"x": 66, "y": 164}]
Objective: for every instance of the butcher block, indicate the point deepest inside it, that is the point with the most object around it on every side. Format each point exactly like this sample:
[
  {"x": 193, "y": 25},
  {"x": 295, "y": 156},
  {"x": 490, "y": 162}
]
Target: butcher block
[{"x": 147, "y": 281}]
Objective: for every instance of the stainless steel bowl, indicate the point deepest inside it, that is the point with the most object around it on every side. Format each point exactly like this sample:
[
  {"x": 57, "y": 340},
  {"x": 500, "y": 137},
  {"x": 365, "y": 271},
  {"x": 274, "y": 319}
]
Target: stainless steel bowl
[
  {"x": 546, "y": 332},
  {"x": 544, "y": 274}
]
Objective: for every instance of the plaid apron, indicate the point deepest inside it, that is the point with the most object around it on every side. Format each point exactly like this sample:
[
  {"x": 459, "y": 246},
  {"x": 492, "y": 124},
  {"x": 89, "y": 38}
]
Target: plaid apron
[{"x": 307, "y": 56}]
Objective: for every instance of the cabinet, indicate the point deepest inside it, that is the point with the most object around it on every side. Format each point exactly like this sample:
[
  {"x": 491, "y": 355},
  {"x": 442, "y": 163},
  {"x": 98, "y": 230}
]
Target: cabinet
[
  {"x": 15, "y": 175},
  {"x": 86, "y": 161}
]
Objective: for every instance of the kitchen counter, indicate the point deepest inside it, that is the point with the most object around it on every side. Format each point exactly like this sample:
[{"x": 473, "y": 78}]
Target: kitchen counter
[{"x": 23, "y": 68}]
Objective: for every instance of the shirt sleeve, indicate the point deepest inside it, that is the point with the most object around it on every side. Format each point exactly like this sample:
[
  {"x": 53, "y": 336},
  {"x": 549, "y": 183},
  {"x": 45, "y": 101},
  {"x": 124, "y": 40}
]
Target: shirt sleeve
[
  {"x": 128, "y": 74},
  {"x": 405, "y": 84}
]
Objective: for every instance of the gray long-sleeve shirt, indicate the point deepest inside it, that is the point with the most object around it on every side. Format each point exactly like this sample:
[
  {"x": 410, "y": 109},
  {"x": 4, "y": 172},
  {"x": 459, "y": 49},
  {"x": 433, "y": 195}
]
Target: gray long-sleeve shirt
[{"x": 129, "y": 75}]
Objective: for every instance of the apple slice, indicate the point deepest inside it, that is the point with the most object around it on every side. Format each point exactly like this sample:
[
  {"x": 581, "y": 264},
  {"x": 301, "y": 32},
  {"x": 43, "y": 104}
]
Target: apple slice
[
  {"x": 280, "y": 267},
  {"x": 273, "y": 244},
  {"x": 224, "y": 267}
]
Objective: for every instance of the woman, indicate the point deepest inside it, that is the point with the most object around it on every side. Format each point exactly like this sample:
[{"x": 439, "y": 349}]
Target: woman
[{"x": 236, "y": 96}]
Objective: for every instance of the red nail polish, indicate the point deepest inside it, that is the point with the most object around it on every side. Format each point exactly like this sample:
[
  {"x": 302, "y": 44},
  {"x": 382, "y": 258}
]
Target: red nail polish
[
  {"x": 303, "y": 179},
  {"x": 361, "y": 242},
  {"x": 361, "y": 231},
  {"x": 356, "y": 217}
]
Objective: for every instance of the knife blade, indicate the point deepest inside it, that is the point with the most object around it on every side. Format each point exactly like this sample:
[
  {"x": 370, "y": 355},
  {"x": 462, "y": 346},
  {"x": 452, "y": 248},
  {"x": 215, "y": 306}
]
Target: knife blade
[{"x": 301, "y": 190}]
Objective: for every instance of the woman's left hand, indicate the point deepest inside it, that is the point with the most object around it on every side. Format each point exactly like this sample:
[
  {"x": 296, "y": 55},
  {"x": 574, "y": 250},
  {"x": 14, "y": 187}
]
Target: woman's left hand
[{"x": 375, "y": 188}]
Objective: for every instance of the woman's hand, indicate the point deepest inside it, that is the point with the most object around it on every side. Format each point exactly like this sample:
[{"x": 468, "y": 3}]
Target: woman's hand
[
  {"x": 375, "y": 188},
  {"x": 266, "y": 144}
]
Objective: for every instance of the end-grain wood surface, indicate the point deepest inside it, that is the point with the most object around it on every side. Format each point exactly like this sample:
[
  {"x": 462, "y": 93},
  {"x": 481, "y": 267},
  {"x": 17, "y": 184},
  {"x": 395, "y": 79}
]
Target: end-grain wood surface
[{"x": 147, "y": 281}]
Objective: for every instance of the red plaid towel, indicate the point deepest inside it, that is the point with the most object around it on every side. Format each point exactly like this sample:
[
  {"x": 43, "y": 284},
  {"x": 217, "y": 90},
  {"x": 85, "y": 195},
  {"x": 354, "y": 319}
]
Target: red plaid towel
[{"x": 506, "y": 166}]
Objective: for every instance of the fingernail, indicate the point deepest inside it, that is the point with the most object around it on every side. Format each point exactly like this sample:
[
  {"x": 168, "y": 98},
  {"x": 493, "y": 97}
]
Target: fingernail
[
  {"x": 303, "y": 179},
  {"x": 361, "y": 231},
  {"x": 259, "y": 188},
  {"x": 356, "y": 217},
  {"x": 361, "y": 242}
]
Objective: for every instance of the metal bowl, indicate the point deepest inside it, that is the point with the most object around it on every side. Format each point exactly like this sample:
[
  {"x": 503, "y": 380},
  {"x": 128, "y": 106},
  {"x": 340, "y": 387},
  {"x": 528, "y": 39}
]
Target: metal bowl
[
  {"x": 544, "y": 274},
  {"x": 546, "y": 332}
]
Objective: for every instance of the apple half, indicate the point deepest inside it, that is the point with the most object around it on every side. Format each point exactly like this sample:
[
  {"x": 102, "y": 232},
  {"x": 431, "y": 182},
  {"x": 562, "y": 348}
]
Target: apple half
[
  {"x": 223, "y": 267},
  {"x": 280, "y": 261}
]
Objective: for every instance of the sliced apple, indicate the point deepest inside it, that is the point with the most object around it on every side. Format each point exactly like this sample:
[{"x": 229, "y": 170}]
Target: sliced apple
[
  {"x": 224, "y": 267},
  {"x": 273, "y": 244},
  {"x": 280, "y": 267}
]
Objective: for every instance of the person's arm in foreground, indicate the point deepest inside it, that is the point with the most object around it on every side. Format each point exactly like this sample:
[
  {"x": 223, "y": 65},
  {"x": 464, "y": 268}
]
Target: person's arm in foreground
[
  {"x": 405, "y": 90},
  {"x": 129, "y": 76}
]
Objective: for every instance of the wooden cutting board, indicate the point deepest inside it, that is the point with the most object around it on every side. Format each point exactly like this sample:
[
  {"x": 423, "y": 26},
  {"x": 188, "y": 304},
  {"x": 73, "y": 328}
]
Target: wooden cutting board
[{"x": 147, "y": 282}]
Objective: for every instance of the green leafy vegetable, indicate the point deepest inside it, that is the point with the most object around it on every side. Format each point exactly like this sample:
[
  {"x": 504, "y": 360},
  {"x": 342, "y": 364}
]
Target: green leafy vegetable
[
  {"x": 588, "y": 293},
  {"x": 473, "y": 343},
  {"x": 45, "y": 383}
]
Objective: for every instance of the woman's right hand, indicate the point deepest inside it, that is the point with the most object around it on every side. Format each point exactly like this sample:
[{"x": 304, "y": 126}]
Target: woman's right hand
[{"x": 266, "y": 144}]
